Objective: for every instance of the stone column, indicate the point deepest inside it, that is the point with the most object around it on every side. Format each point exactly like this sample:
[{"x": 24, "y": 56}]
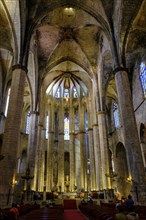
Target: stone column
[
  {"x": 92, "y": 159},
  {"x": 97, "y": 155},
  {"x": 38, "y": 160},
  {"x": 82, "y": 146},
  {"x": 132, "y": 144},
  {"x": 105, "y": 182},
  {"x": 41, "y": 165},
  {"x": 72, "y": 146},
  {"x": 12, "y": 133},
  {"x": 61, "y": 148},
  {"x": 96, "y": 144},
  {"x": 91, "y": 143},
  {"x": 50, "y": 148},
  {"x": 32, "y": 143}
]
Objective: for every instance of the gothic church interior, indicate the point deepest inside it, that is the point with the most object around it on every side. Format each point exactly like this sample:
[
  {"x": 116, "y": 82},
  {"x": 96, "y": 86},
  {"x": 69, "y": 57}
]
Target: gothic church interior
[{"x": 72, "y": 98}]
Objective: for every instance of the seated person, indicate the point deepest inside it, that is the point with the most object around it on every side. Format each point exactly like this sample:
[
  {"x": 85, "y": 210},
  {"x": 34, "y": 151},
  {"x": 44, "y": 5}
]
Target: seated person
[
  {"x": 83, "y": 201},
  {"x": 90, "y": 201},
  {"x": 129, "y": 202}
]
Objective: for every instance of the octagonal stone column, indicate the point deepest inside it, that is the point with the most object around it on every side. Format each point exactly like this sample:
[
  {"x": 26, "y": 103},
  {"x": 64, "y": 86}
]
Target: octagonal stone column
[{"x": 12, "y": 133}]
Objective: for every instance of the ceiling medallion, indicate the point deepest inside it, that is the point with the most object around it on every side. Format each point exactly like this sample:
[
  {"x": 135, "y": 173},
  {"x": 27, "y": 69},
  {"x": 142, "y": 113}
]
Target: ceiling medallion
[
  {"x": 68, "y": 33},
  {"x": 67, "y": 75}
]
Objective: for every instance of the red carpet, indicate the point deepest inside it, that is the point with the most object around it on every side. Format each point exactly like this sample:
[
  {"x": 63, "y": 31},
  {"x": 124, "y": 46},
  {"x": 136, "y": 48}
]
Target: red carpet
[
  {"x": 70, "y": 204},
  {"x": 73, "y": 215}
]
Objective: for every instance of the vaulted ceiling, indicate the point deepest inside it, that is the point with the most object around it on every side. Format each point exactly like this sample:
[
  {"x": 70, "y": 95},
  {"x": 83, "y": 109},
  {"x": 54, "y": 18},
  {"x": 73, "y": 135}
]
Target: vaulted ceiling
[{"x": 72, "y": 36}]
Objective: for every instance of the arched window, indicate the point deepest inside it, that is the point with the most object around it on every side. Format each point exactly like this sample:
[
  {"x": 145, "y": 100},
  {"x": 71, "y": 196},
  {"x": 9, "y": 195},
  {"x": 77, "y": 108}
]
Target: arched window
[
  {"x": 66, "y": 93},
  {"x": 143, "y": 77},
  {"x": 116, "y": 115},
  {"x": 76, "y": 120},
  {"x": 7, "y": 102},
  {"x": 58, "y": 93},
  {"x": 66, "y": 129},
  {"x": 27, "y": 122},
  {"x": 75, "y": 94}
]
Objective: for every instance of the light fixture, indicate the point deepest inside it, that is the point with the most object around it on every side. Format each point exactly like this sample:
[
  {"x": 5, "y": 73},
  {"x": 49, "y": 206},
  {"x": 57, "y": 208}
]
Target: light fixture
[
  {"x": 129, "y": 179},
  {"x": 69, "y": 11}
]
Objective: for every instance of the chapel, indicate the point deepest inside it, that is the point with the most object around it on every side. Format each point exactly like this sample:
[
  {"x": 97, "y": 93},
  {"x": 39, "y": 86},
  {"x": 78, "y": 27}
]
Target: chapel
[{"x": 72, "y": 99}]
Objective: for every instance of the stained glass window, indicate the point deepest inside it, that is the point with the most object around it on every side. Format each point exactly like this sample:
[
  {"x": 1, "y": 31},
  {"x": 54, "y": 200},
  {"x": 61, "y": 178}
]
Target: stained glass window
[
  {"x": 66, "y": 129},
  {"x": 116, "y": 115},
  {"x": 58, "y": 93},
  {"x": 66, "y": 93},
  {"x": 143, "y": 77},
  {"x": 75, "y": 95},
  {"x": 27, "y": 122}
]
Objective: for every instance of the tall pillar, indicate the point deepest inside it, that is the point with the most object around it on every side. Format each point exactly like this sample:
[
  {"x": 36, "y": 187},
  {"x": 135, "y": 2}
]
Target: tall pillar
[
  {"x": 92, "y": 159},
  {"x": 136, "y": 168},
  {"x": 50, "y": 148},
  {"x": 72, "y": 147},
  {"x": 39, "y": 161},
  {"x": 61, "y": 148},
  {"x": 91, "y": 144},
  {"x": 105, "y": 182},
  {"x": 32, "y": 143},
  {"x": 82, "y": 146},
  {"x": 97, "y": 155},
  {"x": 12, "y": 132},
  {"x": 95, "y": 104}
]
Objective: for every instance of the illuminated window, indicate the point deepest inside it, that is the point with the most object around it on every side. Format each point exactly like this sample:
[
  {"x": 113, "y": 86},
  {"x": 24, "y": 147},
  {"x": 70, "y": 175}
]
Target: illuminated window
[
  {"x": 47, "y": 126},
  {"x": 75, "y": 94},
  {"x": 66, "y": 129},
  {"x": 27, "y": 122},
  {"x": 58, "y": 93},
  {"x": 66, "y": 93},
  {"x": 116, "y": 115},
  {"x": 143, "y": 77},
  {"x": 7, "y": 102},
  {"x": 76, "y": 120}
]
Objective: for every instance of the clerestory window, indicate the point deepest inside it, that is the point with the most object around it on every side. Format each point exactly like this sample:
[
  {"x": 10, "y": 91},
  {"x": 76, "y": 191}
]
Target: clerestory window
[
  {"x": 116, "y": 115},
  {"x": 143, "y": 77},
  {"x": 27, "y": 122}
]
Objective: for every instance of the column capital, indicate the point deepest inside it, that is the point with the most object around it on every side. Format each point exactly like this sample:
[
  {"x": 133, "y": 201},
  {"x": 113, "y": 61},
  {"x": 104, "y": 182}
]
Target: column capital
[
  {"x": 100, "y": 112},
  {"x": 34, "y": 112},
  {"x": 90, "y": 129},
  {"x": 72, "y": 133},
  {"x": 81, "y": 132},
  {"x": 50, "y": 132},
  {"x": 43, "y": 129},
  {"x": 95, "y": 125},
  {"x": 40, "y": 125},
  {"x": 61, "y": 133},
  {"x": 120, "y": 68},
  {"x": 19, "y": 66}
]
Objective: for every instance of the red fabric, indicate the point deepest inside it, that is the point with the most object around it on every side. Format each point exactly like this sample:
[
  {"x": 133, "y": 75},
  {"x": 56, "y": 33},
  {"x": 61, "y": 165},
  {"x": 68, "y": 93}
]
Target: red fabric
[
  {"x": 73, "y": 215},
  {"x": 70, "y": 204}
]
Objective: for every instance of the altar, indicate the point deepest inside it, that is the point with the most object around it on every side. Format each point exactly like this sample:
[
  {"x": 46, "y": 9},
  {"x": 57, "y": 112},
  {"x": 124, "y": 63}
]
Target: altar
[{"x": 69, "y": 195}]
